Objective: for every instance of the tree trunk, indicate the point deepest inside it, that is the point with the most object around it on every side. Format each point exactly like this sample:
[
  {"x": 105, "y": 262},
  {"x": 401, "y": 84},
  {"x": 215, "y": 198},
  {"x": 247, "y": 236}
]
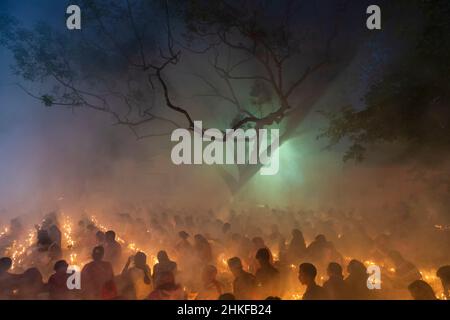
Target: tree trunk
[{"x": 294, "y": 119}]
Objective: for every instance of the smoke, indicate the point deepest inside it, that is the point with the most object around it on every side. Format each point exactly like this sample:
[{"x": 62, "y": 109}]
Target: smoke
[{"x": 55, "y": 159}]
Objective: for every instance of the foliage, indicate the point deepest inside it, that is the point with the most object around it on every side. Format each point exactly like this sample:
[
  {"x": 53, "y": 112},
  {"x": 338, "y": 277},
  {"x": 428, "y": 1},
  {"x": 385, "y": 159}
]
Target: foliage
[{"x": 411, "y": 103}]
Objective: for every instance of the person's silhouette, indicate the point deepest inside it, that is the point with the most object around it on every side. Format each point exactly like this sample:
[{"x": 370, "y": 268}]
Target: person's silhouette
[
  {"x": 244, "y": 284},
  {"x": 335, "y": 285},
  {"x": 97, "y": 277},
  {"x": 420, "y": 290},
  {"x": 443, "y": 273},
  {"x": 307, "y": 276},
  {"x": 267, "y": 276},
  {"x": 57, "y": 283}
]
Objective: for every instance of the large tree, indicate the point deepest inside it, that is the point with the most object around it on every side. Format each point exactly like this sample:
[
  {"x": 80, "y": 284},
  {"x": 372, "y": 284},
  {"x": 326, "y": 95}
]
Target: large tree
[
  {"x": 410, "y": 104},
  {"x": 268, "y": 61}
]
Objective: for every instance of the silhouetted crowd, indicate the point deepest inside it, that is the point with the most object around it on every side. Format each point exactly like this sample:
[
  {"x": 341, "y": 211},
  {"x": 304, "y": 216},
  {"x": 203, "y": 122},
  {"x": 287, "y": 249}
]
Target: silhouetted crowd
[{"x": 253, "y": 254}]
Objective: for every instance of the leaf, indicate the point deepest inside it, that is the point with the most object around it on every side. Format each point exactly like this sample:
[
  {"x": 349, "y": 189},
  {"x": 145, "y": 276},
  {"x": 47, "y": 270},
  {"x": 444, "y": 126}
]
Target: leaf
[{"x": 48, "y": 100}]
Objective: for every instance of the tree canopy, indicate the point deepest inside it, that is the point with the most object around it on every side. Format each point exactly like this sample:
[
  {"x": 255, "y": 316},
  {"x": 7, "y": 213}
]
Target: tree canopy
[
  {"x": 266, "y": 63},
  {"x": 410, "y": 104}
]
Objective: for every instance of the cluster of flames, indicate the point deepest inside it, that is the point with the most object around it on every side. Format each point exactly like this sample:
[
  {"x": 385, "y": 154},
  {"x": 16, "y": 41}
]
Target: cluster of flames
[
  {"x": 442, "y": 227},
  {"x": 428, "y": 275},
  {"x": 4, "y": 232},
  {"x": 20, "y": 249},
  {"x": 67, "y": 229},
  {"x": 70, "y": 243},
  {"x": 130, "y": 244}
]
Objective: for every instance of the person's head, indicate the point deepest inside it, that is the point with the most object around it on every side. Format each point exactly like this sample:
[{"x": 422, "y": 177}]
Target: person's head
[
  {"x": 5, "y": 264},
  {"x": 273, "y": 298},
  {"x": 258, "y": 242},
  {"x": 226, "y": 227},
  {"x": 43, "y": 237},
  {"x": 297, "y": 234},
  {"x": 235, "y": 265},
  {"x": 227, "y": 296},
  {"x": 209, "y": 273},
  {"x": 61, "y": 266},
  {"x": 263, "y": 256},
  {"x": 236, "y": 237},
  {"x": 199, "y": 239},
  {"x": 162, "y": 256},
  {"x": 443, "y": 273},
  {"x": 183, "y": 235},
  {"x": 334, "y": 269},
  {"x": 97, "y": 253},
  {"x": 140, "y": 259},
  {"x": 321, "y": 238},
  {"x": 307, "y": 273},
  {"x": 356, "y": 268},
  {"x": 420, "y": 290},
  {"x": 100, "y": 236},
  {"x": 110, "y": 236}
]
